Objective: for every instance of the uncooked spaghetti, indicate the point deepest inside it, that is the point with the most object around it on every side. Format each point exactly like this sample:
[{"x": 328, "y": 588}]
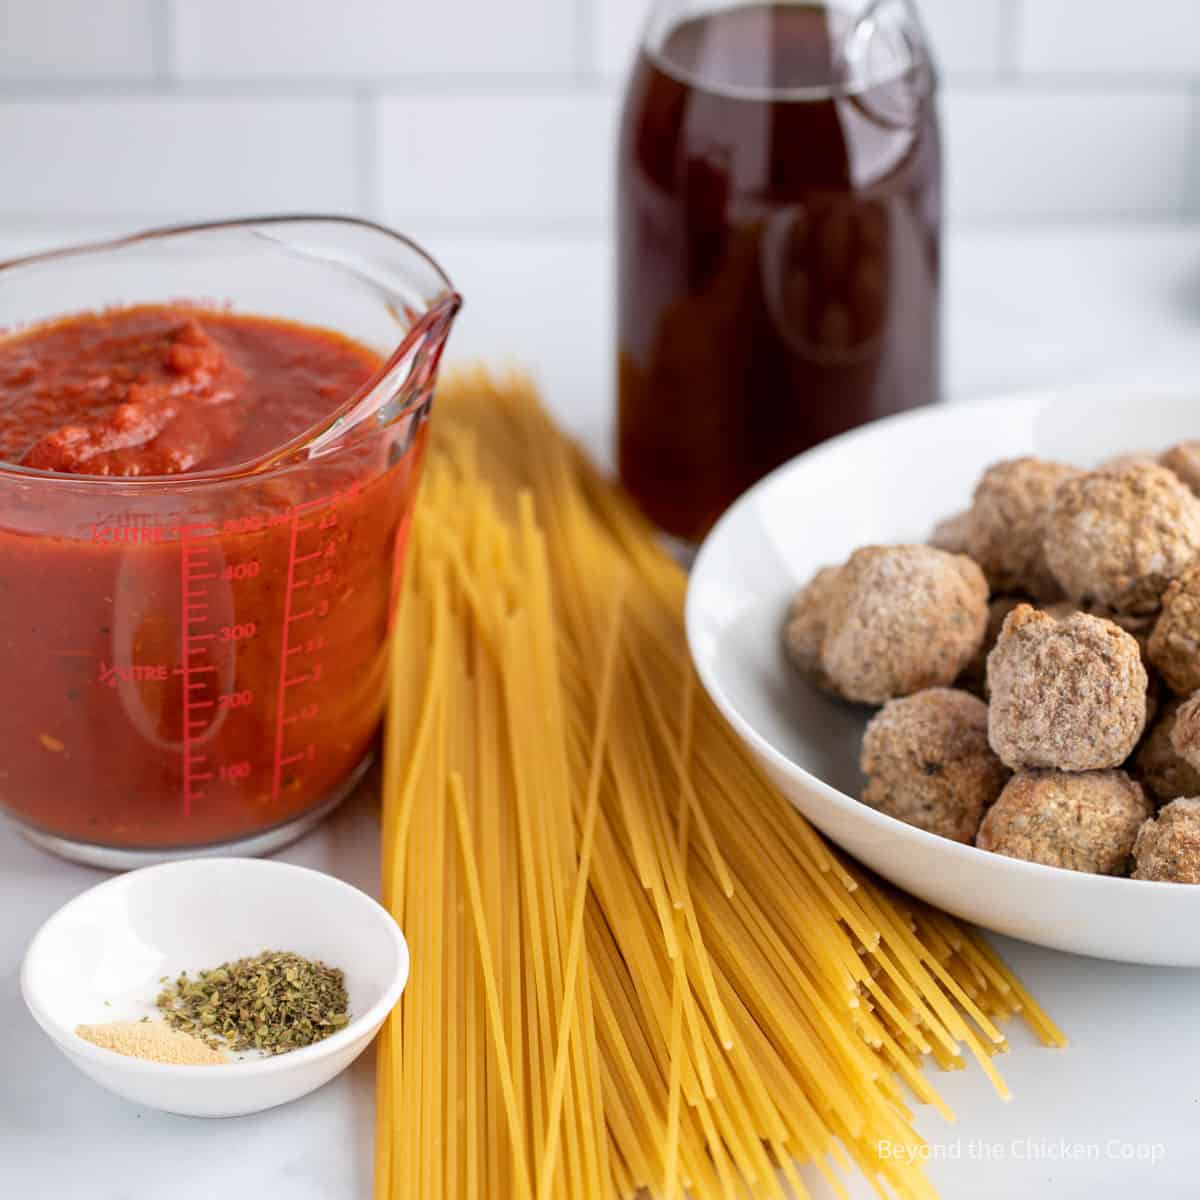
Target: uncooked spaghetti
[{"x": 636, "y": 966}]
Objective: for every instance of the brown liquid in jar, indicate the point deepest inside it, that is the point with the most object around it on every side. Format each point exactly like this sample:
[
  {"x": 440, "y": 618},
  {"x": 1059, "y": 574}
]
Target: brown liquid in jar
[{"x": 778, "y": 254}]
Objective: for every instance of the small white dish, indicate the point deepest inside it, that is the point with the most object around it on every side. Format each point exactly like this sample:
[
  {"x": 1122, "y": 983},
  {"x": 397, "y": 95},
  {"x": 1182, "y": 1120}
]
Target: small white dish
[
  {"x": 890, "y": 482},
  {"x": 101, "y": 956}
]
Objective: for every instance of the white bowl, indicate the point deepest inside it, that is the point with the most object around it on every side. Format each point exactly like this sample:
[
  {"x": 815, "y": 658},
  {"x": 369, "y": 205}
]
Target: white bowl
[
  {"x": 890, "y": 482},
  {"x": 101, "y": 956}
]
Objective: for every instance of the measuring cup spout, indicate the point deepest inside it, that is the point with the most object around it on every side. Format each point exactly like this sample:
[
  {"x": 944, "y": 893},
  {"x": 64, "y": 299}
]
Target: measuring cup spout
[
  {"x": 404, "y": 384},
  {"x": 429, "y": 336}
]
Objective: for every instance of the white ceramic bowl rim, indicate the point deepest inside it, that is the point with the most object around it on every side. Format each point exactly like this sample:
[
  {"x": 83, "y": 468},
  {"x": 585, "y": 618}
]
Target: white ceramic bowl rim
[
  {"x": 849, "y": 804},
  {"x": 77, "y": 1045}
]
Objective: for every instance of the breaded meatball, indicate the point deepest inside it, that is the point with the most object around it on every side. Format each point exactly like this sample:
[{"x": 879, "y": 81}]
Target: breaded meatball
[
  {"x": 1168, "y": 847},
  {"x": 1117, "y": 536},
  {"x": 1067, "y": 694},
  {"x": 1138, "y": 628},
  {"x": 804, "y": 630},
  {"x": 974, "y": 676},
  {"x": 906, "y": 618},
  {"x": 1005, "y": 523},
  {"x": 1184, "y": 461},
  {"x": 1129, "y": 458},
  {"x": 1174, "y": 645},
  {"x": 1185, "y": 732},
  {"x": 1158, "y": 764},
  {"x": 950, "y": 534},
  {"x": 928, "y": 763},
  {"x": 1082, "y": 821}
]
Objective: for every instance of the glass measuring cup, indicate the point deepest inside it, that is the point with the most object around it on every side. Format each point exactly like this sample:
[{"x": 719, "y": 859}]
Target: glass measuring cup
[{"x": 196, "y": 662}]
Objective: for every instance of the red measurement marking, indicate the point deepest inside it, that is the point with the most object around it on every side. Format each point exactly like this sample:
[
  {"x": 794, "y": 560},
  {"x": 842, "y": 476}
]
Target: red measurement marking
[
  {"x": 277, "y": 771},
  {"x": 297, "y": 555},
  {"x": 195, "y": 566},
  {"x": 311, "y": 505}
]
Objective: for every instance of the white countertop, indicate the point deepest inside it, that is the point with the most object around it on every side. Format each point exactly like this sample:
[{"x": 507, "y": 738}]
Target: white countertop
[{"x": 1117, "y": 1110}]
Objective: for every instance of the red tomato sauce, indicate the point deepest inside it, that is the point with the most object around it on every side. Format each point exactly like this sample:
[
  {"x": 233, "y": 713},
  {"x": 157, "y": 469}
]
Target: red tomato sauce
[
  {"x": 186, "y": 665},
  {"x": 164, "y": 389}
]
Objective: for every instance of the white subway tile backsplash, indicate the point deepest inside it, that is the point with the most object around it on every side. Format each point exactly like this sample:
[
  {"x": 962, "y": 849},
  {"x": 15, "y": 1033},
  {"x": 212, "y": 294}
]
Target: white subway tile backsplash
[
  {"x": 1112, "y": 36},
  {"x": 364, "y": 39},
  {"x": 1050, "y": 153},
  {"x": 75, "y": 39},
  {"x": 616, "y": 30},
  {"x": 478, "y": 115},
  {"x": 496, "y": 159},
  {"x": 525, "y": 294},
  {"x": 967, "y": 35},
  {"x": 169, "y": 156}
]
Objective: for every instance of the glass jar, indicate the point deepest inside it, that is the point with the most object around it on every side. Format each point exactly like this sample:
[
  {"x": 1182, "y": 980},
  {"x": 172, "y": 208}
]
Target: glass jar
[{"x": 779, "y": 219}]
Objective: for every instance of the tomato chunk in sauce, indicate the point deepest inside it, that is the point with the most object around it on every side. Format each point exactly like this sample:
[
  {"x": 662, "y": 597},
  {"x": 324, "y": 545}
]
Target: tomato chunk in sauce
[
  {"x": 161, "y": 389},
  {"x": 190, "y": 663}
]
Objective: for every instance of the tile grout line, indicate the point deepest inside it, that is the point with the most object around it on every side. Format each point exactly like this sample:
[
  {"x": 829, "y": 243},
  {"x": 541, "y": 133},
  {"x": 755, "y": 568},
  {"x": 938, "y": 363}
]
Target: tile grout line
[
  {"x": 531, "y": 84},
  {"x": 1189, "y": 200},
  {"x": 162, "y": 42},
  {"x": 366, "y": 149},
  {"x": 302, "y": 87},
  {"x": 1048, "y": 221},
  {"x": 585, "y": 22},
  {"x": 1012, "y": 26}
]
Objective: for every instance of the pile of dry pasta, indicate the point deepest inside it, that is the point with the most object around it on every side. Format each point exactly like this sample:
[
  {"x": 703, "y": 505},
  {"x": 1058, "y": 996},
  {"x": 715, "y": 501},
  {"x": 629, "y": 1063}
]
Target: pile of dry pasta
[{"x": 635, "y": 966}]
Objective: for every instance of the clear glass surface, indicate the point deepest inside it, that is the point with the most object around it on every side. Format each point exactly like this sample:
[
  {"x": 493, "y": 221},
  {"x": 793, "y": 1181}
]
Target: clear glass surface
[
  {"x": 778, "y": 241},
  {"x": 195, "y": 660}
]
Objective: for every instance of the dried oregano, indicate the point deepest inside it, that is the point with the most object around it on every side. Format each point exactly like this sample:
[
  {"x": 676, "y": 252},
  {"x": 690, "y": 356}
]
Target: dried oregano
[{"x": 274, "y": 1002}]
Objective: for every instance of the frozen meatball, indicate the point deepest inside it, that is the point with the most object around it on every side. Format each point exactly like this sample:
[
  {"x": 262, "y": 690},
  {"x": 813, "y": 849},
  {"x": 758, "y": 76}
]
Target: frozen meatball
[
  {"x": 1130, "y": 458},
  {"x": 974, "y": 676},
  {"x": 1067, "y": 694},
  {"x": 1185, "y": 732},
  {"x": 1082, "y": 821},
  {"x": 1119, "y": 535},
  {"x": 928, "y": 762},
  {"x": 1174, "y": 646},
  {"x": 1005, "y": 525},
  {"x": 804, "y": 630},
  {"x": 1158, "y": 764},
  {"x": 906, "y": 618},
  {"x": 1168, "y": 848},
  {"x": 1184, "y": 461},
  {"x": 951, "y": 534}
]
